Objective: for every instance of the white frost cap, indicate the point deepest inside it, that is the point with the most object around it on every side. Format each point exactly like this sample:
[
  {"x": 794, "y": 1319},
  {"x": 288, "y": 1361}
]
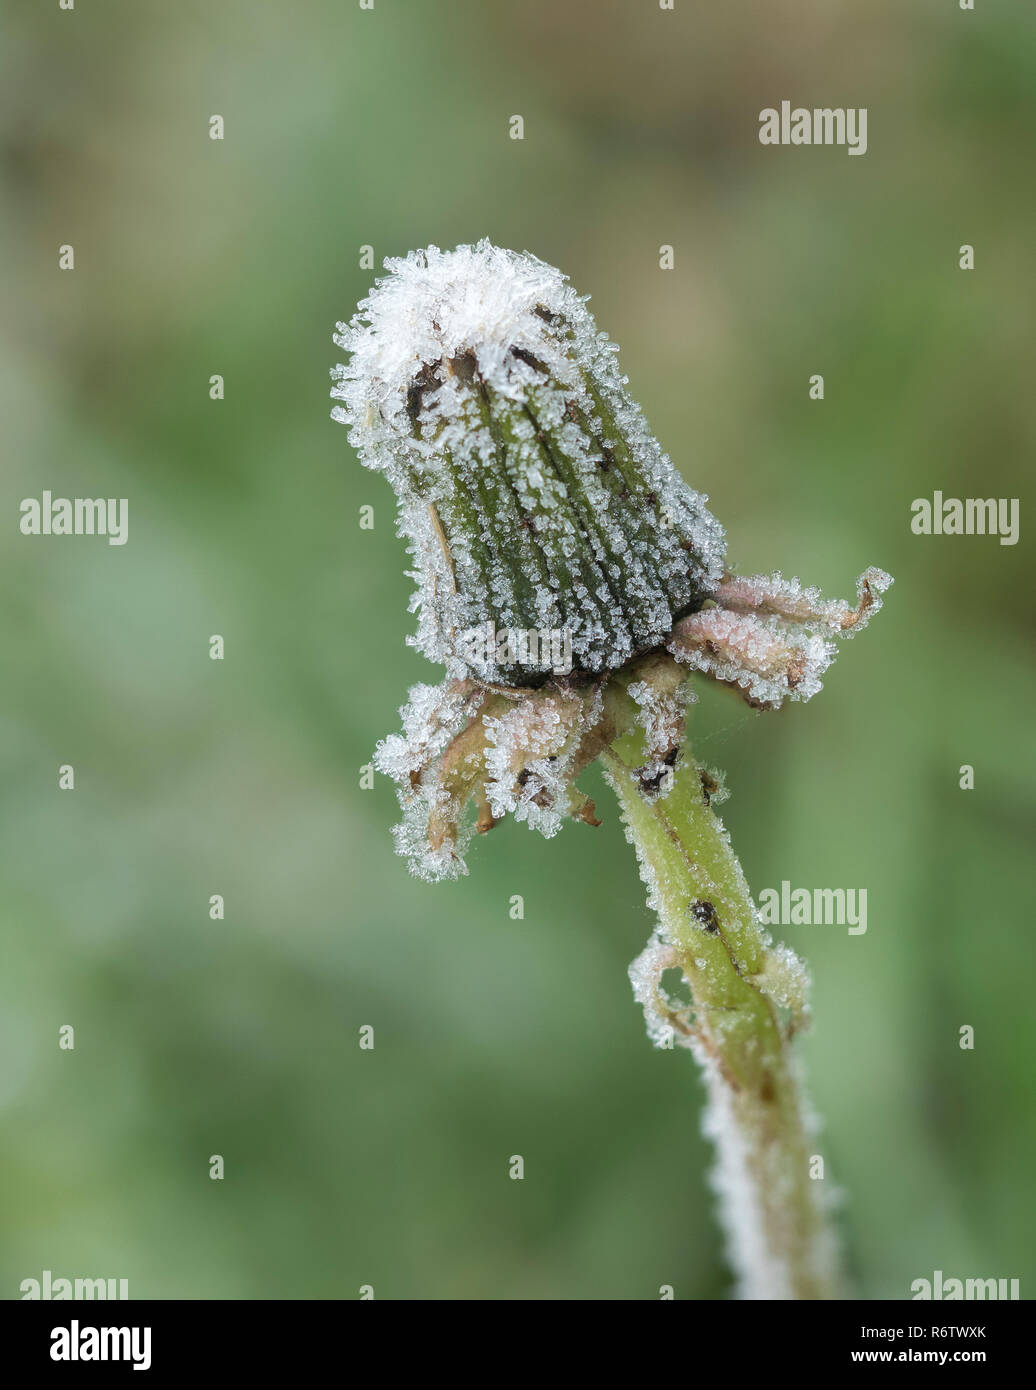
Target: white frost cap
[
  {"x": 437, "y": 304},
  {"x": 531, "y": 492}
]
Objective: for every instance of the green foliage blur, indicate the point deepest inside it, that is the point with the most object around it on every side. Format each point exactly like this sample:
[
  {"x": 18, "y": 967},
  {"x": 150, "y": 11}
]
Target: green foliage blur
[{"x": 495, "y": 1037}]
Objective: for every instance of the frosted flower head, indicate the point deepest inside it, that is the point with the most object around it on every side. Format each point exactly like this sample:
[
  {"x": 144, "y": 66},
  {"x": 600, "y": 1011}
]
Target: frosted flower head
[
  {"x": 531, "y": 493},
  {"x": 568, "y": 578}
]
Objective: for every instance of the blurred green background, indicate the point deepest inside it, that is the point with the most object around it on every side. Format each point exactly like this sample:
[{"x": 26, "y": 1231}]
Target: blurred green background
[{"x": 493, "y": 1037}]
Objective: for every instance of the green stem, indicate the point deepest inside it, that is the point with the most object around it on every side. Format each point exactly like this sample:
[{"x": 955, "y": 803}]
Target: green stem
[{"x": 748, "y": 999}]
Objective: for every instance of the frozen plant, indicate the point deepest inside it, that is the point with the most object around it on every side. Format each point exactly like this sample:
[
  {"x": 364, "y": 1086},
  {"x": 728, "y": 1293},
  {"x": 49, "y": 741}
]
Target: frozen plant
[{"x": 533, "y": 497}]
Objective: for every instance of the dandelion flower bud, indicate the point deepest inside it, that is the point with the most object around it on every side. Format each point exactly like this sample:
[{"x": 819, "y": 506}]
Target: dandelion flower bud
[{"x": 533, "y": 498}]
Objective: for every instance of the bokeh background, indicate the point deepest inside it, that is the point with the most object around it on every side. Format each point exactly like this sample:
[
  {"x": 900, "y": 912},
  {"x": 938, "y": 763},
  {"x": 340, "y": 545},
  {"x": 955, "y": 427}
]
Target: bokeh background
[{"x": 389, "y": 128}]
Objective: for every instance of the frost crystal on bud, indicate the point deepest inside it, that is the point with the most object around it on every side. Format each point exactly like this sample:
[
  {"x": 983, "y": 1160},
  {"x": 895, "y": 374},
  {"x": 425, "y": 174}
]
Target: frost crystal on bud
[{"x": 531, "y": 493}]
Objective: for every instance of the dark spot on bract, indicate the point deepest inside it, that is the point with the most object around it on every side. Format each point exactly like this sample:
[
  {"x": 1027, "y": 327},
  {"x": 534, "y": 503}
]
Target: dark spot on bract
[
  {"x": 464, "y": 366},
  {"x": 529, "y": 359},
  {"x": 424, "y": 377},
  {"x": 650, "y": 785},
  {"x": 704, "y": 914},
  {"x": 709, "y": 785}
]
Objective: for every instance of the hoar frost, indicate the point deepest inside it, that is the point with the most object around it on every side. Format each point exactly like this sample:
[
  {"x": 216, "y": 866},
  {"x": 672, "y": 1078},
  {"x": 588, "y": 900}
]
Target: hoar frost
[{"x": 534, "y": 500}]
